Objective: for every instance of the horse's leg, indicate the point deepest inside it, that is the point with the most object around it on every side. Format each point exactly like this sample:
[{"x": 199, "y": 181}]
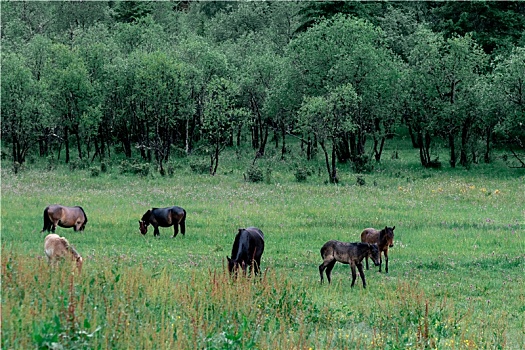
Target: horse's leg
[
  {"x": 175, "y": 230},
  {"x": 256, "y": 264},
  {"x": 329, "y": 270},
  {"x": 183, "y": 226},
  {"x": 354, "y": 274},
  {"x": 361, "y": 273},
  {"x": 156, "y": 231},
  {"x": 366, "y": 259},
  {"x": 386, "y": 260},
  {"x": 322, "y": 267},
  {"x": 380, "y": 260}
]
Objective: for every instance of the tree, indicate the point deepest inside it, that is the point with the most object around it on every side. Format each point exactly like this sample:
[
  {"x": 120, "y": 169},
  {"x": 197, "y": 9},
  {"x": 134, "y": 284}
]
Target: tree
[
  {"x": 444, "y": 72},
  {"x": 495, "y": 25},
  {"x": 329, "y": 118},
  {"x": 509, "y": 77},
  {"x": 161, "y": 96},
  {"x": 19, "y": 90},
  {"x": 71, "y": 92},
  {"x": 219, "y": 117},
  {"x": 342, "y": 50}
]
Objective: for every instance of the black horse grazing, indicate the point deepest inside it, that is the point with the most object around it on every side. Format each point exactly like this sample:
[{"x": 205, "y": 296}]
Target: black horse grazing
[
  {"x": 247, "y": 250},
  {"x": 347, "y": 253},
  {"x": 64, "y": 217},
  {"x": 164, "y": 217},
  {"x": 384, "y": 240}
]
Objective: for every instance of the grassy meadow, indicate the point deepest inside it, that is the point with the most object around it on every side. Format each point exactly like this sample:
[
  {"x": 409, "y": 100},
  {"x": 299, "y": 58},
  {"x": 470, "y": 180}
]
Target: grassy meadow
[{"x": 456, "y": 279}]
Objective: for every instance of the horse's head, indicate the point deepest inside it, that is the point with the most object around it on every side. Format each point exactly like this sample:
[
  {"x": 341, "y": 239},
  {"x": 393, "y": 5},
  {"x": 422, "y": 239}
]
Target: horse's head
[
  {"x": 143, "y": 226},
  {"x": 233, "y": 266},
  {"x": 374, "y": 254},
  {"x": 388, "y": 235}
]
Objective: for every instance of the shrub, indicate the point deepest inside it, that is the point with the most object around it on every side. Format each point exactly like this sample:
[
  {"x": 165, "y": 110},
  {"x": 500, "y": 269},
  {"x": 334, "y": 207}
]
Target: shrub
[
  {"x": 200, "y": 166},
  {"x": 103, "y": 167},
  {"x": 360, "y": 181},
  {"x": 134, "y": 167},
  {"x": 77, "y": 164},
  {"x": 362, "y": 164},
  {"x": 95, "y": 171},
  {"x": 301, "y": 174},
  {"x": 254, "y": 174},
  {"x": 51, "y": 162}
]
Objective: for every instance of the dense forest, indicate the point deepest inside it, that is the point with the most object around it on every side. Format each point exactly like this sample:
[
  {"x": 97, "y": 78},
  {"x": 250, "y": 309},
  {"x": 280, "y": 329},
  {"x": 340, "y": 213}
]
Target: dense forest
[{"x": 158, "y": 80}]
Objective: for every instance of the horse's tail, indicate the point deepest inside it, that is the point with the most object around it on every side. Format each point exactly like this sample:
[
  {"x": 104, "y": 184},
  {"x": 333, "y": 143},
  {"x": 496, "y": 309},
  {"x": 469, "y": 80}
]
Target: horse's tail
[
  {"x": 47, "y": 220},
  {"x": 184, "y": 216}
]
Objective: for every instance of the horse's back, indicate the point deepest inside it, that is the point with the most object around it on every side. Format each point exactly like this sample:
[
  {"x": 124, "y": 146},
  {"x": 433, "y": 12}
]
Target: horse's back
[
  {"x": 248, "y": 241},
  {"x": 55, "y": 246},
  {"x": 370, "y": 235},
  {"x": 255, "y": 232},
  {"x": 54, "y": 210}
]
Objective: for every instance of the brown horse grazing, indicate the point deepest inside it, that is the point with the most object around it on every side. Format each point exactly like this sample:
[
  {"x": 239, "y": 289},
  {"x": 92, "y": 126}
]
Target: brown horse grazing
[
  {"x": 384, "y": 240},
  {"x": 57, "y": 247},
  {"x": 347, "y": 253},
  {"x": 64, "y": 217},
  {"x": 164, "y": 217},
  {"x": 247, "y": 250}
]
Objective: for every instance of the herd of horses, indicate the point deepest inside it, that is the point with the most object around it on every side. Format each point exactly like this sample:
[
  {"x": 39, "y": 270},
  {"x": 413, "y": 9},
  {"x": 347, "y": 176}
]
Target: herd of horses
[{"x": 247, "y": 249}]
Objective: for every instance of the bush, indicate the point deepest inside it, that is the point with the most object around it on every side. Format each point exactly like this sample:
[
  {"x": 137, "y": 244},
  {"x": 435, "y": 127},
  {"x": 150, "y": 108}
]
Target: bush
[
  {"x": 103, "y": 167},
  {"x": 51, "y": 162},
  {"x": 200, "y": 166},
  {"x": 362, "y": 164},
  {"x": 301, "y": 174},
  {"x": 95, "y": 171},
  {"x": 77, "y": 164},
  {"x": 254, "y": 174},
  {"x": 134, "y": 167}
]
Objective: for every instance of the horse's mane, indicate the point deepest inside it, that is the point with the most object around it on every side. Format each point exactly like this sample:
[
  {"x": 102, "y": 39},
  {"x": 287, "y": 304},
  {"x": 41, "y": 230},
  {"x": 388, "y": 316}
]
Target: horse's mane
[
  {"x": 235, "y": 248},
  {"x": 85, "y": 216},
  {"x": 73, "y": 250}
]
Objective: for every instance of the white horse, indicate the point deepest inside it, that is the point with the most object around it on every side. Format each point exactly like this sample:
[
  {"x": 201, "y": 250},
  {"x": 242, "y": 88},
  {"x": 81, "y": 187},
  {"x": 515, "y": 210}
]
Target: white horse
[{"x": 57, "y": 247}]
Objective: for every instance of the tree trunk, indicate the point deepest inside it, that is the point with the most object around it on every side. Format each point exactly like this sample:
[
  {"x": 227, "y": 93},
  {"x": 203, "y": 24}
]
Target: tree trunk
[
  {"x": 327, "y": 161},
  {"x": 66, "y": 142},
  {"x": 486, "y": 157},
  {"x": 452, "y": 145},
  {"x": 333, "y": 177},
  {"x": 283, "y": 135},
  {"x": 79, "y": 145}
]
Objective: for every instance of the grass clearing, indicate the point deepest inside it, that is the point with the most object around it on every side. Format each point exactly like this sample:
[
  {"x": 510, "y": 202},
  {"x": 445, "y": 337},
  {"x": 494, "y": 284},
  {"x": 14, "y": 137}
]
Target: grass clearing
[{"x": 456, "y": 276}]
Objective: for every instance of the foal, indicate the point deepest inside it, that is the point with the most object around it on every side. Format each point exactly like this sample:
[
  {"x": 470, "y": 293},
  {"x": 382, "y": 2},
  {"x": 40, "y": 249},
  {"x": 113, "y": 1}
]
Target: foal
[
  {"x": 347, "y": 253},
  {"x": 57, "y": 247},
  {"x": 384, "y": 240}
]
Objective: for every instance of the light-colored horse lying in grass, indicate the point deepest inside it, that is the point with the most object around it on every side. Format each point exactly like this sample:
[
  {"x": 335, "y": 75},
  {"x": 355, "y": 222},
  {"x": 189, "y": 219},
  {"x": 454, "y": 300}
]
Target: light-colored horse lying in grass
[{"x": 57, "y": 247}]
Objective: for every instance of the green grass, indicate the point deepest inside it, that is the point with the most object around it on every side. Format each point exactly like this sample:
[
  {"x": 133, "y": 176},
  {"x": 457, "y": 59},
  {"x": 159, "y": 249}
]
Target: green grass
[{"x": 456, "y": 276}]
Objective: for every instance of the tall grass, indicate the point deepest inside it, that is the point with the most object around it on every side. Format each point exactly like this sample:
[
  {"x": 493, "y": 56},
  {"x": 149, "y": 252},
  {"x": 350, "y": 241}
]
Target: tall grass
[{"x": 456, "y": 270}]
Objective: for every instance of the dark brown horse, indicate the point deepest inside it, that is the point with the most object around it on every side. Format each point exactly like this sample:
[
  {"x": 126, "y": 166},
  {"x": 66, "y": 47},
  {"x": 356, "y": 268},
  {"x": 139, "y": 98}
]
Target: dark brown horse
[
  {"x": 384, "y": 240},
  {"x": 64, "y": 217},
  {"x": 247, "y": 250},
  {"x": 347, "y": 253},
  {"x": 164, "y": 217}
]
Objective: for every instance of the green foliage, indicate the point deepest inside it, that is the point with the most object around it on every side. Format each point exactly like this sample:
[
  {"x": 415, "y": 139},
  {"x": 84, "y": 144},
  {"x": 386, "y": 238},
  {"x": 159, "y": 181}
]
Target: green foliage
[
  {"x": 199, "y": 166},
  {"x": 254, "y": 174},
  {"x": 301, "y": 174},
  {"x": 116, "y": 75},
  {"x": 94, "y": 171},
  {"x": 134, "y": 167},
  {"x": 78, "y": 164}
]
